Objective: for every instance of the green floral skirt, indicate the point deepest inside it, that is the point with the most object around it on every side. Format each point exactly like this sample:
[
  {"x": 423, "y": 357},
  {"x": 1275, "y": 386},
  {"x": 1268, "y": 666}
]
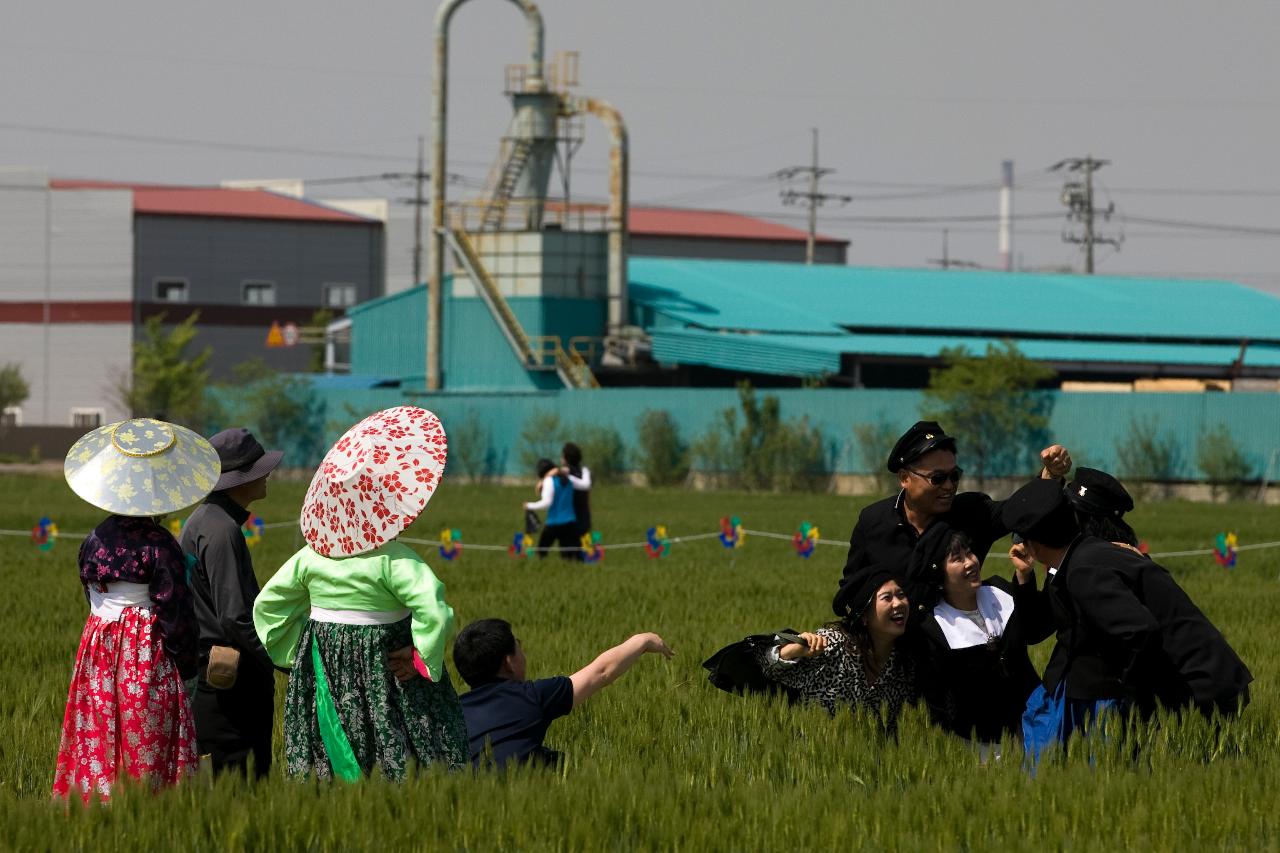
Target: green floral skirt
[{"x": 388, "y": 724}]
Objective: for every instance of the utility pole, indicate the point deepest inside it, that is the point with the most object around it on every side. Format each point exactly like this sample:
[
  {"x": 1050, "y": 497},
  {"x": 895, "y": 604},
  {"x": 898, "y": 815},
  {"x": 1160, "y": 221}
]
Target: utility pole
[
  {"x": 947, "y": 262},
  {"x": 811, "y": 198},
  {"x": 419, "y": 179},
  {"x": 1077, "y": 195}
]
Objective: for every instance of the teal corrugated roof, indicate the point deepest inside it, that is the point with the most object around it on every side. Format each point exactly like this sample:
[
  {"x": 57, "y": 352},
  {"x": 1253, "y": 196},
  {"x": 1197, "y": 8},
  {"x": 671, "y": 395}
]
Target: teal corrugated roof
[
  {"x": 810, "y": 355},
  {"x": 794, "y": 298}
]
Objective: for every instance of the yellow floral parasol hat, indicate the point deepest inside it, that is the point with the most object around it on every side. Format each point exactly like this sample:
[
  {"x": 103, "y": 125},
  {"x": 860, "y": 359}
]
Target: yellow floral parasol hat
[{"x": 142, "y": 467}]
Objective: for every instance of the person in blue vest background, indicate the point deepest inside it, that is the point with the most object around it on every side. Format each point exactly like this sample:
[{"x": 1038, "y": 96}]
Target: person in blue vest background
[{"x": 562, "y": 524}]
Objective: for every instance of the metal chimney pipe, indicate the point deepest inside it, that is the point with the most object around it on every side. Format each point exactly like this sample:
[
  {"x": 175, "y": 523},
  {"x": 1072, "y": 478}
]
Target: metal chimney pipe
[
  {"x": 439, "y": 141},
  {"x": 1006, "y": 216},
  {"x": 619, "y": 206}
]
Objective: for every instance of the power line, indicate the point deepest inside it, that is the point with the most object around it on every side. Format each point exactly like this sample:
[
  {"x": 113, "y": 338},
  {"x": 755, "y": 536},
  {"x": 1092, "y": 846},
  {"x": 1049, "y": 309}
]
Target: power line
[{"x": 189, "y": 142}]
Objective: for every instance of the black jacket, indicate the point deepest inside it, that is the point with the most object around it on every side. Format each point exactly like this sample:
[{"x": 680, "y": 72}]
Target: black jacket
[
  {"x": 884, "y": 537},
  {"x": 982, "y": 690},
  {"x": 1128, "y": 631},
  {"x": 222, "y": 581}
]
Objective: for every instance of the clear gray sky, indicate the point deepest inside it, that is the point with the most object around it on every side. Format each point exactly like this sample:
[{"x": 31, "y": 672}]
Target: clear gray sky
[{"x": 910, "y": 97}]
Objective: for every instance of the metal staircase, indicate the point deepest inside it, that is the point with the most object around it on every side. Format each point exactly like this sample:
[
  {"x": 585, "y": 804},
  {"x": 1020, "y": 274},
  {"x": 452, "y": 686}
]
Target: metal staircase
[
  {"x": 569, "y": 365},
  {"x": 496, "y": 210}
]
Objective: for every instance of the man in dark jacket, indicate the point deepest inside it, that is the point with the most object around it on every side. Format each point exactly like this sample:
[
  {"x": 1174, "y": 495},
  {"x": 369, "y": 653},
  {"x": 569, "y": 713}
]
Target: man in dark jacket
[
  {"x": 1127, "y": 631},
  {"x": 235, "y": 722},
  {"x": 924, "y": 459}
]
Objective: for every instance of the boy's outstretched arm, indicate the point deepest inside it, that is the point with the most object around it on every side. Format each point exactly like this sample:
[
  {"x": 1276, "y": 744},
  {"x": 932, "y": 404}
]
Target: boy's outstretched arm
[{"x": 611, "y": 664}]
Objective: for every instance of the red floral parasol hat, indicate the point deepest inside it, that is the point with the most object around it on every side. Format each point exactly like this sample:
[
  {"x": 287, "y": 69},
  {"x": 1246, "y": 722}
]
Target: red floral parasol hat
[{"x": 374, "y": 482}]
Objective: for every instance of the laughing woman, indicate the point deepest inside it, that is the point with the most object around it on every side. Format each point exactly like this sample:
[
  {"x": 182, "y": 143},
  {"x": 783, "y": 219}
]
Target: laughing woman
[
  {"x": 975, "y": 668},
  {"x": 854, "y": 661}
]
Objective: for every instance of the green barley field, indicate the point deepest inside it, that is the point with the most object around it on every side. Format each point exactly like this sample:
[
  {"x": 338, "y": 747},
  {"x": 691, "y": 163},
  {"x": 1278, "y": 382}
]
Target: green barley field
[{"x": 662, "y": 760}]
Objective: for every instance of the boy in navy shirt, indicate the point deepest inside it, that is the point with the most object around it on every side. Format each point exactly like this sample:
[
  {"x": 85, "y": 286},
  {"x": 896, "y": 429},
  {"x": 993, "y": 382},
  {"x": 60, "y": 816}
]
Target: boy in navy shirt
[{"x": 509, "y": 715}]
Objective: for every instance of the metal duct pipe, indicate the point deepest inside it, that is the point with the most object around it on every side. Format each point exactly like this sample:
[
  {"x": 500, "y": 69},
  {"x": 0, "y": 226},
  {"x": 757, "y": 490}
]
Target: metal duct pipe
[
  {"x": 619, "y": 205},
  {"x": 439, "y": 140}
]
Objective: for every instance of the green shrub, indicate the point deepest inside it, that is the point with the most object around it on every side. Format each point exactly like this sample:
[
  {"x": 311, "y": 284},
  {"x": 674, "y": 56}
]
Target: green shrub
[
  {"x": 764, "y": 453},
  {"x": 539, "y": 439},
  {"x": 1223, "y": 463},
  {"x": 469, "y": 447},
  {"x": 875, "y": 442},
  {"x": 1146, "y": 459},
  {"x": 602, "y": 451},
  {"x": 662, "y": 456}
]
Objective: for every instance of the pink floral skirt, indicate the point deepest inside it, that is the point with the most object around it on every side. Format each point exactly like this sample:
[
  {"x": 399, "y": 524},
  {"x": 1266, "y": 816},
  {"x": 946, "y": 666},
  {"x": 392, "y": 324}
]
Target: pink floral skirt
[{"x": 126, "y": 711}]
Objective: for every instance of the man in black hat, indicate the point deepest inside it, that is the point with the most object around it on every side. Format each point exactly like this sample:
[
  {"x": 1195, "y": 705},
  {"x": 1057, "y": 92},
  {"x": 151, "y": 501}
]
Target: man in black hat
[
  {"x": 1128, "y": 634},
  {"x": 925, "y": 461},
  {"x": 233, "y": 715}
]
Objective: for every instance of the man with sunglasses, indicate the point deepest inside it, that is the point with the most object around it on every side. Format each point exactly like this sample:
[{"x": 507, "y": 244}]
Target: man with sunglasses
[{"x": 925, "y": 461}]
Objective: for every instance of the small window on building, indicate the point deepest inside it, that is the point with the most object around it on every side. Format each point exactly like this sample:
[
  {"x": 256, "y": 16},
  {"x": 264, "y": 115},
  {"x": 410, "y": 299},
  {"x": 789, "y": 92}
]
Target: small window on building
[
  {"x": 339, "y": 295},
  {"x": 258, "y": 293},
  {"x": 11, "y": 417},
  {"x": 171, "y": 290},
  {"x": 87, "y": 417}
]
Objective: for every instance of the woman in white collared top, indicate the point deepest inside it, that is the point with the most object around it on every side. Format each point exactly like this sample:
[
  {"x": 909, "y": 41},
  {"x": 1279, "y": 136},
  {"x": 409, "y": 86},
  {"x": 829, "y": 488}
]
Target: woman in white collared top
[{"x": 976, "y": 674}]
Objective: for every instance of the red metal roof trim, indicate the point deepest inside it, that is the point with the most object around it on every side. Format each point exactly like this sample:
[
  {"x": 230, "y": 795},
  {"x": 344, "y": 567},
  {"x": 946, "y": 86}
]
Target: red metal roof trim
[
  {"x": 160, "y": 200},
  {"x": 721, "y": 224}
]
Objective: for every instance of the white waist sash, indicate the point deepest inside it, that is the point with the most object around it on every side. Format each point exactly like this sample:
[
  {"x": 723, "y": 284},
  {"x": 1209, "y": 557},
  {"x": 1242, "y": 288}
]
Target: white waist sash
[
  {"x": 358, "y": 617},
  {"x": 110, "y": 605}
]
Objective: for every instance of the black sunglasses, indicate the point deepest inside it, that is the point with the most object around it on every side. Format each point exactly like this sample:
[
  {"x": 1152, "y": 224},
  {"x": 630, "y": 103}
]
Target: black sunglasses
[{"x": 937, "y": 478}]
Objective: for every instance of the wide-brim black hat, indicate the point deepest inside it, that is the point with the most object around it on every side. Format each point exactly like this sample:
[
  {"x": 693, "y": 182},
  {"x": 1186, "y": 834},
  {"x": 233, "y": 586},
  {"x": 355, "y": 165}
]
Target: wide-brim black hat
[
  {"x": 923, "y": 437},
  {"x": 243, "y": 458},
  {"x": 1039, "y": 512},
  {"x": 1095, "y": 492},
  {"x": 857, "y": 590}
]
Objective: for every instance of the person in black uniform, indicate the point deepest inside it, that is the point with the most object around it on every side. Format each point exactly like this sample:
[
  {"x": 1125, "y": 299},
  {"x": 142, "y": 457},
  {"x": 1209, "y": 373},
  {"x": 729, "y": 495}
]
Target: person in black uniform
[
  {"x": 233, "y": 723},
  {"x": 887, "y": 531},
  {"x": 975, "y": 671},
  {"x": 1129, "y": 636},
  {"x": 1100, "y": 502}
]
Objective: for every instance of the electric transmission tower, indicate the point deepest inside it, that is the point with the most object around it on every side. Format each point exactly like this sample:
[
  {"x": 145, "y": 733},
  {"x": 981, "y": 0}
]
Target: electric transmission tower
[
  {"x": 1077, "y": 195},
  {"x": 811, "y": 197}
]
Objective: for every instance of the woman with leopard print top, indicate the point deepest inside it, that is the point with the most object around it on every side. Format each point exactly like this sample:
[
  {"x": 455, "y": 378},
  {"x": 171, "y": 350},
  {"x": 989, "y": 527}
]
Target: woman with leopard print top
[{"x": 852, "y": 662}]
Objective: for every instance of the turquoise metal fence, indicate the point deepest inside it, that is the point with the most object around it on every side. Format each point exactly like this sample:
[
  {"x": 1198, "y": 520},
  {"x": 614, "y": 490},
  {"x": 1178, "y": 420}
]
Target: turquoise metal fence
[{"x": 1091, "y": 425}]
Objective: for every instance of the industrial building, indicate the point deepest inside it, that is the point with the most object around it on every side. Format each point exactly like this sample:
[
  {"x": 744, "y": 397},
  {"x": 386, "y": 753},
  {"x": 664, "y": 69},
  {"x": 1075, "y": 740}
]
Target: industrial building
[
  {"x": 527, "y": 293},
  {"x": 86, "y": 263},
  {"x": 703, "y": 322}
]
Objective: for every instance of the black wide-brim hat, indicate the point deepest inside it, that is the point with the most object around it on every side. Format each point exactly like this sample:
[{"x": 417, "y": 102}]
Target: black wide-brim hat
[
  {"x": 857, "y": 590},
  {"x": 243, "y": 458},
  {"x": 1039, "y": 511},
  {"x": 1095, "y": 492},
  {"x": 923, "y": 437}
]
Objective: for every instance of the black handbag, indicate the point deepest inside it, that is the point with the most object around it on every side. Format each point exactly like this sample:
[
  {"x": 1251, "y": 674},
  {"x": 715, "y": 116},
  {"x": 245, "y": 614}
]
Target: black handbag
[
  {"x": 532, "y": 523},
  {"x": 736, "y": 668}
]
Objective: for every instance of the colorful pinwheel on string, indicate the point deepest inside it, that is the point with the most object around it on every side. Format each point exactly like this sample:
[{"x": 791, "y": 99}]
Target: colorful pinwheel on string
[
  {"x": 1224, "y": 550},
  {"x": 805, "y": 539},
  {"x": 657, "y": 544},
  {"x": 450, "y": 543},
  {"x": 592, "y": 550},
  {"x": 520, "y": 545},
  {"x": 253, "y": 529},
  {"x": 45, "y": 534},
  {"x": 731, "y": 532}
]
